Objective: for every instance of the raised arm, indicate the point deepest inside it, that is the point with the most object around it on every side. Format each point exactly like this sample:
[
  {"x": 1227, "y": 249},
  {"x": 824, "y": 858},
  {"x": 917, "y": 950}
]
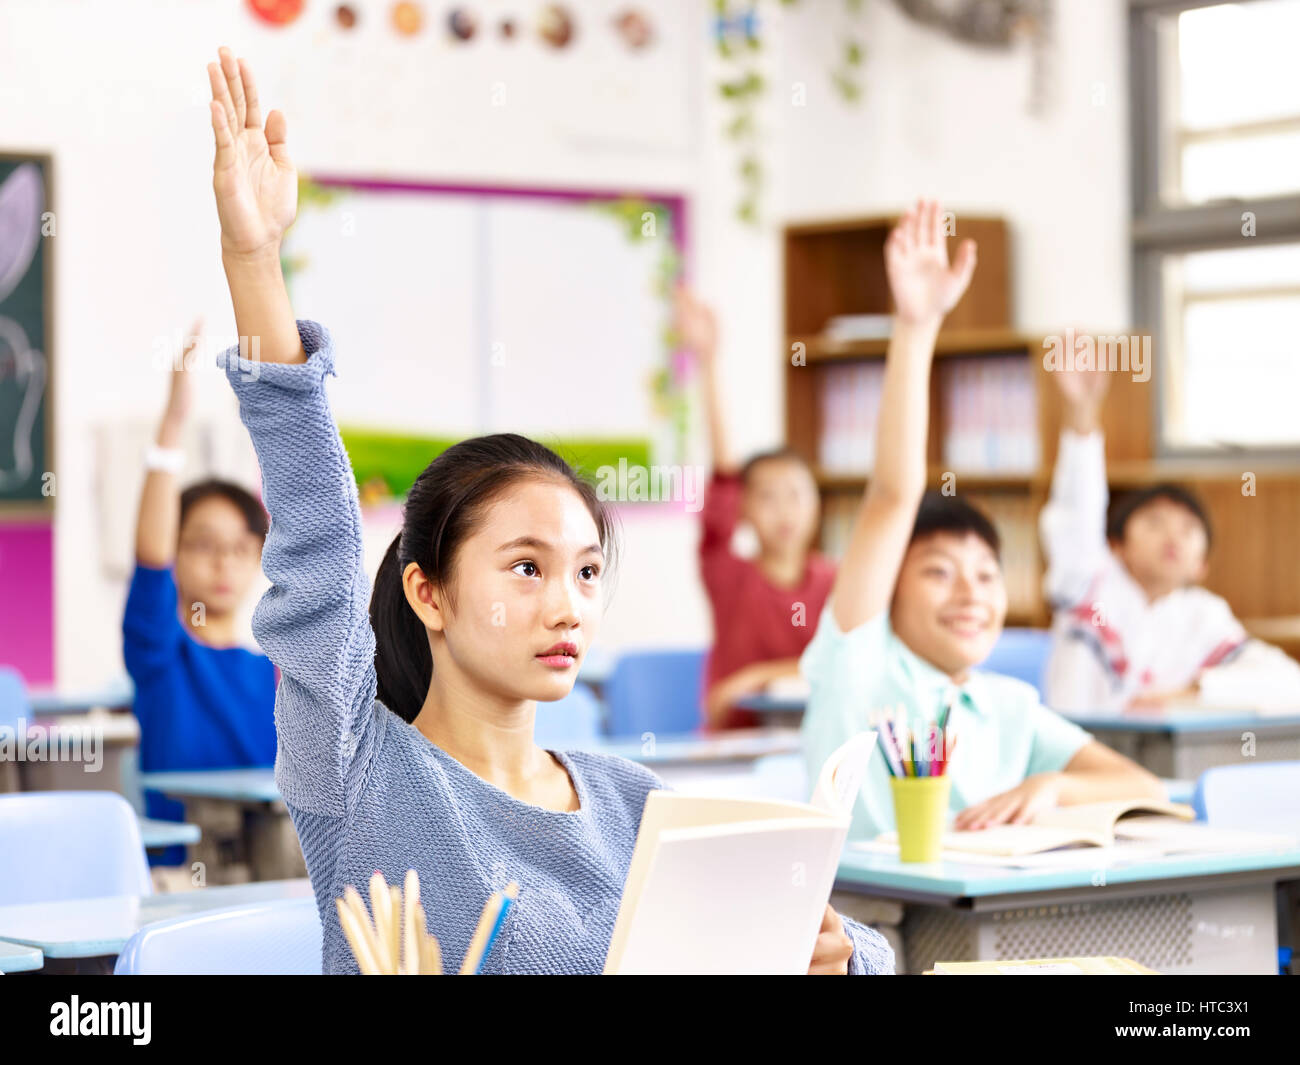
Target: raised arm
[
  {"x": 1073, "y": 523},
  {"x": 313, "y": 621},
  {"x": 698, "y": 330},
  {"x": 925, "y": 288},
  {"x": 158, "y": 519}
]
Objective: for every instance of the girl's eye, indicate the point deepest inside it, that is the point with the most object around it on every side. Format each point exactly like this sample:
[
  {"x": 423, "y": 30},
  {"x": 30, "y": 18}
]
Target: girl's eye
[
  {"x": 525, "y": 569},
  {"x": 936, "y": 571},
  {"x": 589, "y": 573}
]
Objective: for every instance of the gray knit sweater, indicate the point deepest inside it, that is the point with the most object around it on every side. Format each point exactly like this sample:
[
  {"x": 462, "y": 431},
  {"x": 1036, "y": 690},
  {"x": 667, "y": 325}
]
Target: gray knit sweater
[{"x": 366, "y": 790}]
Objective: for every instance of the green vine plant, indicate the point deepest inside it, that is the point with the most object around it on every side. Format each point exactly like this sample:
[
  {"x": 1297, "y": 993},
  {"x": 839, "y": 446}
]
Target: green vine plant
[{"x": 737, "y": 36}]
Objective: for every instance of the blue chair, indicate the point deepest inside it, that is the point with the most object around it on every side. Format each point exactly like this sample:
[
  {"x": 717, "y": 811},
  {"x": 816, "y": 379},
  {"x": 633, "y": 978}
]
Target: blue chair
[
  {"x": 13, "y": 698},
  {"x": 1259, "y": 796},
  {"x": 1021, "y": 653},
  {"x": 573, "y": 721},
  {"x": 655, "y": 691},
  {"x": 69, "y": 845},
  {"x": 277, "y": 938}
]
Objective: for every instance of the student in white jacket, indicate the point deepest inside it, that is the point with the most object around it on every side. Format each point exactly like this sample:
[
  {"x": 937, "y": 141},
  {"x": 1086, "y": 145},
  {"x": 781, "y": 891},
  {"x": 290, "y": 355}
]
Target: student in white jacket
[{"x": 1132, "y": 625}]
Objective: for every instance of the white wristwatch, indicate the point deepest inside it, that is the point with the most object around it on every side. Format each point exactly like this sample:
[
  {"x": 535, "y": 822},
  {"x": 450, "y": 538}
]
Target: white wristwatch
[{"x": 167, "y": 459}]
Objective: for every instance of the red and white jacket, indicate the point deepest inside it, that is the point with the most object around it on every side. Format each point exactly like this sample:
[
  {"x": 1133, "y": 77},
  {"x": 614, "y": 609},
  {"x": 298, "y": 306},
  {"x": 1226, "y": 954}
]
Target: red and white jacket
[{"x": 1109, "y": 643}]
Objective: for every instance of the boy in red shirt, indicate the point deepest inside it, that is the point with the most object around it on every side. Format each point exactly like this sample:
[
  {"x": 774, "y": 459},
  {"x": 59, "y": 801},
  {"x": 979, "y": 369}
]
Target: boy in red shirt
[{"x": 765, "y": 608}]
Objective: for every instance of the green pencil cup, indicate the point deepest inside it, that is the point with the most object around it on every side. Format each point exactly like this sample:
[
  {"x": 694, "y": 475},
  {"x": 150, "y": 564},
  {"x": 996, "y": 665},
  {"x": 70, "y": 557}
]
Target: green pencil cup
[{"x": 920, "y": 810}]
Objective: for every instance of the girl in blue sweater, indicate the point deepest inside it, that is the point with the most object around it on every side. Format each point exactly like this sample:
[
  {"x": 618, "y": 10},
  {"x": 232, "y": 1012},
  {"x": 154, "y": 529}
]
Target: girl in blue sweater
[{"x": 405, "y": 720}]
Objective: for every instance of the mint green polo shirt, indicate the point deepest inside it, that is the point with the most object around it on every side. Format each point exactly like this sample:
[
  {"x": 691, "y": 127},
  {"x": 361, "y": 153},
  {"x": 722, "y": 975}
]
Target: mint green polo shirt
[{"x": 1005, "y": 732}]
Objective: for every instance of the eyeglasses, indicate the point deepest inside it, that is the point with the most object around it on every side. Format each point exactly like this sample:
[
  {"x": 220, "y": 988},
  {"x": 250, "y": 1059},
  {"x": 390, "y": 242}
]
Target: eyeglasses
[{"x": 241, "y": 551}]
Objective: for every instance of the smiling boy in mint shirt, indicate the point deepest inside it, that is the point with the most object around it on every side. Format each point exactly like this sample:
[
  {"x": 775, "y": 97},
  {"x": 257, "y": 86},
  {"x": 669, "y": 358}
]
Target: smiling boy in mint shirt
[{"x": 920, "y": 600}]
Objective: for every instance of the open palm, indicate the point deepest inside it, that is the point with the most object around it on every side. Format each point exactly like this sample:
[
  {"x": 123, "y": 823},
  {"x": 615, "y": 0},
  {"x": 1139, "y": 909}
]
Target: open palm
[
  {"x": 924, "y": 286},
  {"x": 255, "y": 184}
]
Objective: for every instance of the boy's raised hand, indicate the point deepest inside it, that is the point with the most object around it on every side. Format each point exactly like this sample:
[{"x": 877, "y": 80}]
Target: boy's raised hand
[
  {"x": 924, "y": 286},
  {"x": 1084, "y": 392},
  {"x": 696, "y": 326},
  {"x": 255, "y": 184}
]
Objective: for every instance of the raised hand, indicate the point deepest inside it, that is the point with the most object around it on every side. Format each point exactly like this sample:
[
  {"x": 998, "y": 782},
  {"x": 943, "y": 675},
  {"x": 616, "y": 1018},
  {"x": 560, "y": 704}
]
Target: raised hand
[
  {"x": 180, "y": 400},
  {"x": 255, "y": 184},
  {"x": 1084, "y": 391},
  {"x": 924, "y": 286},
  {"x": 695, "y": 323}
]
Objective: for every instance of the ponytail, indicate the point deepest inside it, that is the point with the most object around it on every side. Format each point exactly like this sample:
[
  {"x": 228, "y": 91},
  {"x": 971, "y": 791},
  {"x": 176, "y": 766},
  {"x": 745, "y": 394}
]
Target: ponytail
[{"x": 402, "y": 660}]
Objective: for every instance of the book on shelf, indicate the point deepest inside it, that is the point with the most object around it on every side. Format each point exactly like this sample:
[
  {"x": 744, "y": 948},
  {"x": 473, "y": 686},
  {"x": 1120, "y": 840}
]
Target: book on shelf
[
  {"x": 990, "y": 415},
  {"x": 737, "y": 886},
  {"x": 850, "y": 407},
  {"x": 842, "y": 327}
]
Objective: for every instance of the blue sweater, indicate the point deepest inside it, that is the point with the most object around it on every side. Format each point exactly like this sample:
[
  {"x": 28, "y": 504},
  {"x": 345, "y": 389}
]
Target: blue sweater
[
  {"x": 199, "y": 707},
  {"x": 366, "y": 790}
]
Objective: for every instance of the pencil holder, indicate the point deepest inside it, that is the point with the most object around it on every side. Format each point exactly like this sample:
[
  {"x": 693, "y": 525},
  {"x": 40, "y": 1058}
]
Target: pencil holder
[{"x": 920, "y": 811}]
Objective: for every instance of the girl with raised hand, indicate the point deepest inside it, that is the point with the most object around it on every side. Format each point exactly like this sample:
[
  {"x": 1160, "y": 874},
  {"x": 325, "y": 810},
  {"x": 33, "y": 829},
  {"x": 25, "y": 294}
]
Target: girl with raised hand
[{"x": 406, "y": 729}]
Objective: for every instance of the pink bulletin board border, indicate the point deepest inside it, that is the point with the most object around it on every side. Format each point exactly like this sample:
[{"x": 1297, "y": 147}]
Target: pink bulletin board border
[{"x": 27, "y": 602}]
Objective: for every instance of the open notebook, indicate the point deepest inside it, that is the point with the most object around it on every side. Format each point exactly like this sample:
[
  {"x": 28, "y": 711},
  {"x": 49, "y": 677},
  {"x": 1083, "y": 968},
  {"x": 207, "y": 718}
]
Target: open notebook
[
  {"x": 1147, "y": 828},
  {"x": 736, "y": 886}
]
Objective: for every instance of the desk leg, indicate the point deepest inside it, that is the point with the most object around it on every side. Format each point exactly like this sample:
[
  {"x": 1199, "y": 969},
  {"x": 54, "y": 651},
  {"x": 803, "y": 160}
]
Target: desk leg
[
  {"x": 273, "y": 849},
  {"x": 220, "y": 849}
]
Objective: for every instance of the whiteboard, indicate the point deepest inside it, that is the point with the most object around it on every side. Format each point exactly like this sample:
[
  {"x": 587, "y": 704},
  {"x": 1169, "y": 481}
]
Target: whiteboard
[{"x": 472, "y": 311}]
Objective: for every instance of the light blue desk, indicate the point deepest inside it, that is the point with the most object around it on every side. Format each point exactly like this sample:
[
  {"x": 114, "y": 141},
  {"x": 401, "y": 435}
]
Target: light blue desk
[
  {"x": 94, "y": 928},
  {"x": 715, "y": 762},
  {"x": 245, "y": 826},
  {"x": 158, "y": 835},
  {"x": 1185, "y": 742},
  {"x": 114, "y": 695},
  {"x": 19, "y": 958},
  {"x": 1180, "y": 914}
]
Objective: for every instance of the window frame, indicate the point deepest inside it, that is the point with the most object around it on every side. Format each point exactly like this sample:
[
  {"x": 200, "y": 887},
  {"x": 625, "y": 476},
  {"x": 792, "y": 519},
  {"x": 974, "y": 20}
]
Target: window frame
[{"x": 1159, "y": 229}]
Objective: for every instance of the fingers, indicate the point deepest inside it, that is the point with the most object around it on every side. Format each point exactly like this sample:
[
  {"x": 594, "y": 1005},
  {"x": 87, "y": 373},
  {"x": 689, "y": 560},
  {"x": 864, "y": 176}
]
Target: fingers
[
  {"x": 225, "y": 142},
  {"x": 221, "y": 94},
  {"x": 831, "y": 954},
  {"x": 253, "y": 117},
  {"x": 277, "y": 130},
  {"x": 963, "y": 266},
  {"x": 230, "y": 69},
  {"x": 930, "y": 235}
]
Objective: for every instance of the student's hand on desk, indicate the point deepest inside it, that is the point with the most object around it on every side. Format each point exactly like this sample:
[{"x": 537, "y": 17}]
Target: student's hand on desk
[
  {"x": 1153, "y": 700},
  {"x": 1018, "y": 806},
  {"x": 833, "y": 948},
  {"x": 255, "y": 184},
  {"x": 924, "y": 286}
]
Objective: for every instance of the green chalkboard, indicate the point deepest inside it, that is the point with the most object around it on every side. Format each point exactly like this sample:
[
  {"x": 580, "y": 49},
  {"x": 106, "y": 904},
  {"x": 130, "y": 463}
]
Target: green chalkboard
[{"x": 27, "y": 229}]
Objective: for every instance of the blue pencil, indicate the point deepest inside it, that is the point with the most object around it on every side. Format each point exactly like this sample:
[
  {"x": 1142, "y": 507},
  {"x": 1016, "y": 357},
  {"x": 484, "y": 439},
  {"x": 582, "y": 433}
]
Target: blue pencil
[{"x": 511, "y": 893}]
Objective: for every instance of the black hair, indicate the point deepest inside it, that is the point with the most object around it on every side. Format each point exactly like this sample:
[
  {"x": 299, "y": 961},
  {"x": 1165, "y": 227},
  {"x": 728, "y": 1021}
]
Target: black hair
[
  {"x": 780, "y": 454},
  {"x": 249, "y": 505},
  {"x": 939, "y": 513},
  {"x": 1131, "y": 502},
  {"x": 443, "y": 507}
]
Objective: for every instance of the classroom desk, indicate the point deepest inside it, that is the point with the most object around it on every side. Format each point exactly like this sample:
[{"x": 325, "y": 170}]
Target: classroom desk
[
  {"x": 116, "y": 695},
  {"x": 245, "y": 826},
  {"x": 775, "y": 711},
  {"x": 1211, "y": 913},
  {"x": 701, "y": 761},
  {"x": 1185, "y": 742},
  {"x": 19, "y": 958},
  {"x": 159, "y": 835},
  {"x": 78, "y": 929}
]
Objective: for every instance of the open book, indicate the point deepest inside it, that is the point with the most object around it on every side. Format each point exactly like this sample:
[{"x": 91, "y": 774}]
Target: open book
[{"x": 734, "y": 886}]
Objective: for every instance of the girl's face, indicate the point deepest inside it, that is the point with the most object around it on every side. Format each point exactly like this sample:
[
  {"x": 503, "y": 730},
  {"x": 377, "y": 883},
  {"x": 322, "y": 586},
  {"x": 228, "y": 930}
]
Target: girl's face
[
  {"x": 527, "y": 594},
  {"x": 217, "y": 557}
]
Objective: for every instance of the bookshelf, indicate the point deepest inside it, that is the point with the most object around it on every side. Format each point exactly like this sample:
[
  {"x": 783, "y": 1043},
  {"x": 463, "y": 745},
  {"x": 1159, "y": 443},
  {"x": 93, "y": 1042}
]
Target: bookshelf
[{"x": 836, "y": 268}]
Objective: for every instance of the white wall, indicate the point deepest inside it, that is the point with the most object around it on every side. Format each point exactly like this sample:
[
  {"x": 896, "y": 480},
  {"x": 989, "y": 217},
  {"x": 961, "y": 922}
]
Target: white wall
[{"x": 116, "y": 92}]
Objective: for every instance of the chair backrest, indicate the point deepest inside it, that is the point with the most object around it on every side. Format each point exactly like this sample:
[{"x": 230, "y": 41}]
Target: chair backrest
[
  {"x": 13, "y": 698},
  {"x": 1021, "y": 653},
  {"x": 571, "y": 721},
  {"x": 655, "y": 691},
  {"x": 281, "y": 937},
  {"x": 1259, "y": 796},
  {"x": 69, "y": 845}
]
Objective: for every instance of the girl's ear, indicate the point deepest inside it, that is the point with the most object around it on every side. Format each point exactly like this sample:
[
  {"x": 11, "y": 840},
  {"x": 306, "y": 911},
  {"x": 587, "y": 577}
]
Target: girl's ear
[{"x": 424, "y": 597}]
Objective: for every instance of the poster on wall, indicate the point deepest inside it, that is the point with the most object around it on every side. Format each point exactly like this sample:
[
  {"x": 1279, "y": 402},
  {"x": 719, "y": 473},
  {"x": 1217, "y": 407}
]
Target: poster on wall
[{"x": 25, "y": 313}]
